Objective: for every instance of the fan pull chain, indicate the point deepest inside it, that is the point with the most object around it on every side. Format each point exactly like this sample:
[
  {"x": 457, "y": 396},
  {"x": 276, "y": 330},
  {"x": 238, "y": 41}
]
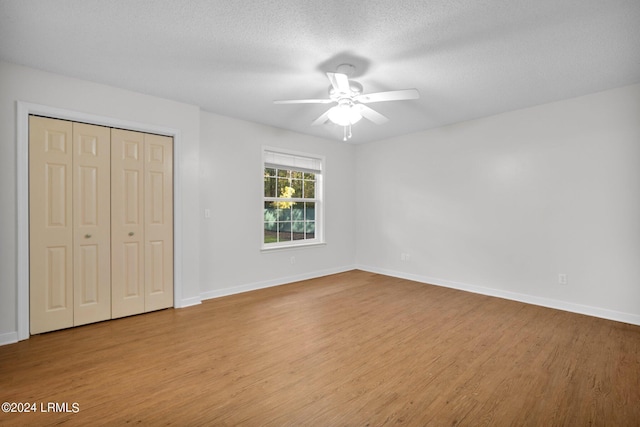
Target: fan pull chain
[{"x": 347, "y": 135}]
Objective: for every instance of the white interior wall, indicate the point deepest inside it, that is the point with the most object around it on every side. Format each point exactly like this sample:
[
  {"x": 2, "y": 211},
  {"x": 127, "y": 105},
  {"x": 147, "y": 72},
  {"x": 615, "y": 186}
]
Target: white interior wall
[
  {"x": 499, "y": 205},
  {"x": 504, "y": 204},
  {"x": 232, "y": 185},
  {"x": 220, "y": 176},
  {"x": 28, "y": 85}
]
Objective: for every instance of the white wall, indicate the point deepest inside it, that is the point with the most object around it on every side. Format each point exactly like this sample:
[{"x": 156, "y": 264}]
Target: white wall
[
  {"x": 499, "y": 205},
  {"x": 232, "y": 186},
  {"x": 503, "y": 204},
  {"x": 32, "y": 86},
  {"x": 220, "y": 169}
]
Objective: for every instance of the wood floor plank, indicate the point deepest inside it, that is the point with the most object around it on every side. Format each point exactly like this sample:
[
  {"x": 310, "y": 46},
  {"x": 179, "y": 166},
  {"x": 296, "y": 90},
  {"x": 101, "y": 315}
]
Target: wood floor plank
[{"x": 354, "y": 348}]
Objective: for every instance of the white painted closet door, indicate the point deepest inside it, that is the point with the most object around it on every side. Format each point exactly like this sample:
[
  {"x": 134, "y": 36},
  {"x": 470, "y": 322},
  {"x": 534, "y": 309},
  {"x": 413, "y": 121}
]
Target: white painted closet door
[
  {"x": 158, "y": 213},
  {"x": 92, "y": 223},
  {"x": 101, "y": 215},
  {"x": 127, "y": 223},
  {"x": 51, "y": 226}
]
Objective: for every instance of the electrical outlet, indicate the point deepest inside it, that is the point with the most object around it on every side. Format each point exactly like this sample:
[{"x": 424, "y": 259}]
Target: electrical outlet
[
  {"x": 563, "y": 279},
  {"x": 292, "y": 260},
  {"x": 404, "y": 257},
  {"x": 207, "y": 213}
]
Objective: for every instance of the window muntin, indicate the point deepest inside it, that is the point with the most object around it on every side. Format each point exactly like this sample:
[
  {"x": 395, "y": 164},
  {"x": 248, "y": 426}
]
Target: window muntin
[{"x": 292, "y": 199}]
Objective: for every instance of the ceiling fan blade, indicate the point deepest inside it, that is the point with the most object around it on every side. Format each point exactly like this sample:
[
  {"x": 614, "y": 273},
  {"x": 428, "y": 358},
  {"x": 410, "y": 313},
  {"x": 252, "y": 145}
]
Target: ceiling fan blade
[
  {"x": 392, "y": 95},
  {"x": 372, "y": 115},
  {"x": 340, "y": 82},
  {"x": 303, "y": 101},
  {"x": 322, "y": 119}
]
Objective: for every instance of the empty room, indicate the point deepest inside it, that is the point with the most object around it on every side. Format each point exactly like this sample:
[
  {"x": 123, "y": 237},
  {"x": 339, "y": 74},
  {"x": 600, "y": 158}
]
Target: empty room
[{"x": 305, "y": 213}]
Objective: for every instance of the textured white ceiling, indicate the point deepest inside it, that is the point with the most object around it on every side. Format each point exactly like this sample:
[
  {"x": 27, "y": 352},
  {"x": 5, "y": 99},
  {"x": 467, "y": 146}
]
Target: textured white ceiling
[{"x": 468, "y": 58}]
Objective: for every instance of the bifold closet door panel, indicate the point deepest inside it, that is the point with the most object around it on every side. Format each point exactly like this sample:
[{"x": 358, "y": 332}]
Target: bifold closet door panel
[
  {"x": 158, "y": 212},
  {"x": 127, "y": 223},
  {"x": 92, "y": 223},
  {"x": 50, "y": 224}
]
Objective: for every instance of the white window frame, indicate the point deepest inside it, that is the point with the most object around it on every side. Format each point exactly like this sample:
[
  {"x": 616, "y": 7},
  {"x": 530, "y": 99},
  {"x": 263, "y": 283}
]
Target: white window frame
[{"x": 298, "y": 161}]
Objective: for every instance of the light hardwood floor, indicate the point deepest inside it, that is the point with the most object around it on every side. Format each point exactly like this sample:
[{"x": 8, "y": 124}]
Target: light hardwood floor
[{"x": 350, "y": 349}]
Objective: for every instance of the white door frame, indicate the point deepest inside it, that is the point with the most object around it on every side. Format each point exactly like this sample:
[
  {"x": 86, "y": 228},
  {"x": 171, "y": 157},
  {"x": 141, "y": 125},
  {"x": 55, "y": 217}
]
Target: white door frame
[{"x": 24, "y": 109}]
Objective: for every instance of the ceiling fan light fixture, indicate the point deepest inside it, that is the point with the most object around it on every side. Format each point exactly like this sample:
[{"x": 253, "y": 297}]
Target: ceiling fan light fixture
[
  {"x": 351, "y": 101},
  {"x": 344, "y": 114}
]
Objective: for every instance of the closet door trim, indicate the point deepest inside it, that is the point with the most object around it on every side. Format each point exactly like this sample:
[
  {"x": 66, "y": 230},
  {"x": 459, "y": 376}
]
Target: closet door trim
[{"x": 23, "y": 111}]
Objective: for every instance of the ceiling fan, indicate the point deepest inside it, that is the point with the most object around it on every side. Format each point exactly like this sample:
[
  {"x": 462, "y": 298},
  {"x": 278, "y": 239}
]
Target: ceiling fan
[{"x": 350, "y": 101}]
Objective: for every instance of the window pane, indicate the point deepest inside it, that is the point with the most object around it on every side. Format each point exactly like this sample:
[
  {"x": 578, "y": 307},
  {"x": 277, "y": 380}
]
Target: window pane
[
  {"x": 285, "y": 189},
  {"x": 269, "y": 187},
  {"x": 269, "y": 172},
  {"x": 282, "y": 184},
  {"x": 284, "y": 231},
  {"x": 283, "y": 173},
  {"x": 284, "y": 214},
  {"x": 309, "y": 189},
  {"x": 284, "y": 236},
  {"x": 310, "y": 229},
  {"x": 311, "y": 176},
  {"x": 297, "y": 212},
  {"x": 297, "y": 229},
  {"x": 284, "y": 226},
  {"x": 297, "y": 187},
  {"x": 270, "y": 213},
  {"x": 310, "y": 211},
  {"x": 296, "y": 175},
  {"x": 270, "y": 235}
]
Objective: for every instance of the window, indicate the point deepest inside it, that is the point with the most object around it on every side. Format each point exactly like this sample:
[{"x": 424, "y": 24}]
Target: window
[{"x": 292, "y": 200}]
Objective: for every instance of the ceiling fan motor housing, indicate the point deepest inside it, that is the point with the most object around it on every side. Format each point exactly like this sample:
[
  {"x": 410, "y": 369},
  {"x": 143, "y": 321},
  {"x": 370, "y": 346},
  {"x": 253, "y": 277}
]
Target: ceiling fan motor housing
[{"x": 355, "y": 89}]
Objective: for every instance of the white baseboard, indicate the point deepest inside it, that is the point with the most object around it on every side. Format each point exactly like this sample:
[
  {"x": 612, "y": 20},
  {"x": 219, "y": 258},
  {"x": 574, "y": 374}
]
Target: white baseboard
[
  {"x": 603, "y": 313},
  {"x": 8, "y": 338},
  {"x": 217, "y": 293},
  {"x": 633, "y": 319},
  {"x": 188, "y": 302}
]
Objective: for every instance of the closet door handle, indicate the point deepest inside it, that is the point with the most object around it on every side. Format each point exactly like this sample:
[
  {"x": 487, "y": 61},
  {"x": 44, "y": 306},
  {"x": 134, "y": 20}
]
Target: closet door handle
[
  {"x": 87, "y": 236},
  {"x": 131, "y": 233}
]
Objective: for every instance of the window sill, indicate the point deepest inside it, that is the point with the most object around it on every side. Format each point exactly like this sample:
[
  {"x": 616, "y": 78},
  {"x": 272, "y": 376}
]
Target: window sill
[{"x": 297, "y": 246}]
